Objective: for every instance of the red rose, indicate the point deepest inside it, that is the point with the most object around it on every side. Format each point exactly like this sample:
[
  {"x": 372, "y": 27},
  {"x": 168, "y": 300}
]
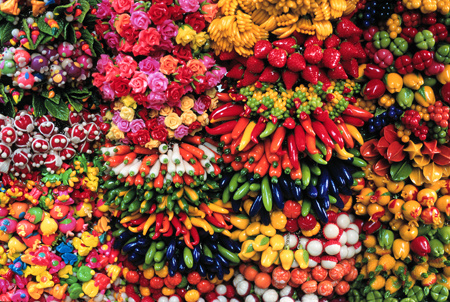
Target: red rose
[
  {"x": 151, "y": 123},
  {"x": 129, "y": 33},
  {"x": 140, "y": 98},
  {"x": 177, "y": 110},
  {"x": 159, "y": 13},
  {"x": 200, "y": 84},
  {"x": 176, "y": 12},
  {"x": 182, "y": 52},
  {"x": 166, "y": 2},
  {"x": 174, "y": 93},
  {"x": 206, "y": 100},
  {"x": 141, "y": 137},
  {"x": 101, "y": 28},
  {"x": 160, "y": 133},
  {"x": 143, "y": 114},
  {"x": 184, "y": 75},
  {"x": 194, "y": 125},
  {"x": 196, "y": 21},
  {"x": 120, "y": 86}
]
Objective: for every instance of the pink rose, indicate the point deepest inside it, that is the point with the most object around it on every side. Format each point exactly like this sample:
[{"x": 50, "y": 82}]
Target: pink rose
[
  {"x": 156, "y": 100},
  {"x": 112, "y": 39},
  {"x": 127, "y": 66},
  {"x": 140, "y": 20},
  {"x": 208, "y": 61},
  {"x": 139, "y": 82},
  {"x": 102, "y": 62},
  {"x": 137, "y": 125},
  {"x": 111, "y": 71},
  {"x": 189, "y": 6},
  {"x": 124, "y": 126},
  {"x": 181, "y": 132},
  {"x": 211, "y": 80},
  {"x": 148, "y": 65},
  {"x": 167, "y": 29},
  {"x": 150, "y": 36},
  {"x": 121, "y": 6},
  {"x": 141, "y": 49},
  {"x": 157, "y": 82}
]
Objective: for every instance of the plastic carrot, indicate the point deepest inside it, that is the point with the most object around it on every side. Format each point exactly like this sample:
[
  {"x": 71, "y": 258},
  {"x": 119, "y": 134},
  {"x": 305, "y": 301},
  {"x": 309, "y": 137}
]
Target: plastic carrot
[
  {"x": 256, "y": 153},
  {"x": 311, "y": 144},
  {"x": 177, "y": 179},
  {"x": 286, "y": 164},
  {"x": 138, "y": 181},
  {"x": 226, "y": 139},
  {"x": 188, "y": 180},
  {"x": 211, "y": 141},
  {"x": 250, "y": 166},
  {"x": 240, "y": 127},
  {"x": 235, "y": 144},
  {"x": 194, "y": 150},
  {"x": 271, "y": 157},
  {"x": 296, "y": 174},
  {"x": 115, "y": 160},
  {"x": 262, "y": 167},
  {"x": 237, "y": 166},
  {"x": 196, "y": 139},
  {"x": 129, "y": 181},
  {"x": 142, "y": 150},
  {"x": 159, "y": 181},
  {"x": 275, "y": 171},
  {"x": 122, "y": 149},
  {"x": 187, "y": 156},
  {"x": 129, "y": 157},
  {"x": 277, "y": 139},
  {"x": 228, "y": 158}
]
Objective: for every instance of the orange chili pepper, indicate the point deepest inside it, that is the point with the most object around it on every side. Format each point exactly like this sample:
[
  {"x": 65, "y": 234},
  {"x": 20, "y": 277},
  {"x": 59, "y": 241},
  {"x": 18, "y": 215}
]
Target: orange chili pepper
[
  {"x": 177, "y": 179},
  {"x": 138, "y": 180},
  {"x": 275, "y": 170},
  {"x": 196, "y": 139},
  {"x": 277, "y": 139},
  {"x": 346, "y": 135},
  {"x": 188, "y": 180},
  {"x": 165, "y": 225},
  {"x": 271, "y": 157},
  {"x": 311, "y": 144},
  {"x": 235, "y": 144},
  {"x": 296, "y": 173},
  {"x": 203, "y": 207},
  {"x": 286, "y": 163},
  {"x": 240, "y": 127},
  {"x": 226, "y": 139},
  {"x": 256, "y": 153},
  {"x": 262, "y": 167},
  {"x": 237, "y": 166},
  {"x": 142, "y": 150},
  {"x": 159, "y": 181},
  {"x": 250, "y": 166}
]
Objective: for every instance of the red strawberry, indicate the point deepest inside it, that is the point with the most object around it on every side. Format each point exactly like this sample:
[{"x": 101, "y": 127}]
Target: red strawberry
[
  {"x": 348, "y": 51},
  {"x": 269, "y": 75},
  {"x": 351, "y": 67},
  {"x": 323, "y": 77},
  {"x": 360, "y": 53},
  {"x": 277, "y": 57},
  {"x": 347, "y": 29},
  {"x": 311, "y": 41},
  {"x": 236, "y": 72},
  {"x": 226, "y": 56},
  {"x": 331, "y": 57},
  {"x": 248, "y": 79},
  {"x": 262, "y": 49},
  {"x": 311, "y": 74},
  {"x": 255, "y": 65},
  {"x": 332, "y": 41},
  {"x": 337, "y": 73},
  {"x": 296, "y": 62},
  {"x": 289, "y": 78},
  {"x": 313, "y": 54},
  {"x": 242, "y": 60},
  {"x": 301, "y": 38},
  {"x": 288, "y": 44}
]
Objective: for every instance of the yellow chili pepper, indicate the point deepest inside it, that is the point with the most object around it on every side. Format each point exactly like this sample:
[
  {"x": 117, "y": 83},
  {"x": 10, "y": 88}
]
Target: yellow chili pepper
[
  {"x": 187, "y": 223},
  {"x": 425, "y": 96},
  {"x": 394, "y": 82},
  {"x": 413, "y": 80},
  {"x": 235, "y": 235},
  {"x": 253, "y": 229},
  {"x": 302, "y": 258},
  {"x": 215, "y": 208},
  {"x": 201, "y": 223},
  {"x": 443, "y": 280},
  {"x": 268, "y": 257},
  {"x": 129, "y": 218},
  {"x": 444, "y": 76},
  {"x": 194, "y": 211},
  {"x": 354, "y": 132},
  {"x": 240, "y": 221},
  {"x": 286, "y": 258},
  {"x": 247, "y": 206},
  {"x": 247, "y": 135},
  {"x": 243, "y": 236},
  {"x": 261, "y": 243},
  {"x": 278, "y": 220},
  {"x": 401, "y": 249},
  {"x": 277, "y": 242},
  {"x": 268, "y": 230}
]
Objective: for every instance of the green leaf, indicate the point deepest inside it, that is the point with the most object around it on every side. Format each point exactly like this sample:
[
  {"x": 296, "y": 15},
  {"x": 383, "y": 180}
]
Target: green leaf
[
  {"x": 59, "y": 11},
  {"x": 85, "y": 7},
  {"x": 86, "y": 36},
  {"x": 38, "y": 105},
  {"x": 54, "y": 99},
  {"x": 90, "y": 19},
  {"x": 26, "y": 29},
  {"x": 264, "y": 241},
  {"x": 98, "y": 47},
  {"x": 76, "y": 105},
  {"x": 421, "y": 91},
  {"x": 79, "y": 94},
  {"x": 45, "y": 28},
  {"x": 5, "y": 32},
  {"x": 400, "y": 171},
  {"x": 59, "y": 111},
  {"x": 7, "y": 109},
  {"x": 249, "y": 248}
]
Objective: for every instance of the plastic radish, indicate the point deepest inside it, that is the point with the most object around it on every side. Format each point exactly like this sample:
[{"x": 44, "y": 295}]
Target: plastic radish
[
  {"x": 170, "y": 165},
  {"x": 211, "y": 147},
  {"x": 188, "y": 168},
  {"x": 210, "y": 155},
  {"x": 164, "y": 159},
  {"x": 180, "y": 169},
  {"x": 154, "y": 171},
  {"x": 163, "y": 148},
  {"x": 176, "y": 157}
]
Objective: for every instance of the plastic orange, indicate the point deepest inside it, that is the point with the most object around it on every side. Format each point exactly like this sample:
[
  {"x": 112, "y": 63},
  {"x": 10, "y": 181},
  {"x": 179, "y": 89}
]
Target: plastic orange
[
  {"x": 263, "y": 280},
  {"x": 250, "y": 273}
]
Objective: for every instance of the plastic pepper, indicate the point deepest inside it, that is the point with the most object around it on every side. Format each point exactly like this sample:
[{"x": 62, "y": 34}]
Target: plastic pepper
[
  {"x": 424, "y": 40},
  {"x": 268, "y": 257},
  {"x": 381, "y": 39},
  {"x": 286, "y": 258},
  {"x": 394, "y": 82},
  {"x": 398, "y": 47},
  {"x": 421, "y": 246},
  {"x": 405, "y": 98},
  {"x": 413, "y": 80},
  {"x": 302, "y": 258}
]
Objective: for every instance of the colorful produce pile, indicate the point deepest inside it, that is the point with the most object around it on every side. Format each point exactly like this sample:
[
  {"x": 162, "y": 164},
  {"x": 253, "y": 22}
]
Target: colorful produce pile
[{"x": 225, "y": 151}]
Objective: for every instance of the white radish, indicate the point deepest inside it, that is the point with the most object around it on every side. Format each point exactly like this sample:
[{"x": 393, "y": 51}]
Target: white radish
[
  {"x": 154, "y": 171},
  {"x": 180, "y": 168},
  {"x": 212, "y": 147},
  {"x": 188, "y": 168},
  {"x": 210, "y": 155},
  {"x": 205, "y": 163},
  {"x": 164, "y": 159},
  {"x": 176, "y": 157},
  {"x": 170, "y": 165},
  {"x": 109, "y": 151},
  {"x": 163, "y": 148},
  {"x": 117, "y": 169},
  {"x": 135, "y": 167},
  {"x": 210, "y": 169},
  {"x": 125, "y": 171},
  {"x": 168, "y": 179}
]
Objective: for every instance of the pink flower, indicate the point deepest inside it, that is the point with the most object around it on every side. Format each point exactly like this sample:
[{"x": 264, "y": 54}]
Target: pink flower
[
  {"x": 140, "y": 20},
  {"x": 211, "y": 80},
  {"x": 189, "y": 6},
  {"x": 124, "y": 126},
  {"x": 103, "y": 10},
  {"x": 99, "y": 79},
  {"x": 208, "y": 61},
  {"x": 157, "y": 82},
  {"x": 112, "y": 39},
  {"x": 127, "y": 66},
  {"x": 199, "y": 107},
  {"x": 107, "y": 92},
  {"x": 181, "y": 131},
  {"x": 111, "y": 71},
  {"x": 150, "y": 36},
  {"x": 166, "y": 45},
  {"x": 137, "y": 125},
  {"x": 149, "y": 65},
  {"x": 121, "y": 6},
  {"x": 167, "y": 29},
  {"x": 139, "y": 82},
  {"x": 102, "y": 62},
  {"x": 156, "y": 100}
]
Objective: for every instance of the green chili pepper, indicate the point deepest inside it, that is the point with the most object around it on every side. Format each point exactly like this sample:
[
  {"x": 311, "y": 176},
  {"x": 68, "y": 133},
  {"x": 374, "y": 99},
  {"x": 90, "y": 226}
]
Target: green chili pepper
[
  {"x": 266, "y": 193},
  {"x": 306, "y": 175},
  {"x": 134, "y": 206},
  {"x": 321, "y": 146},
  {"x": 226, "y": 195},
  {"x": 242, "y": 191},
  {"x": 270, "y": 128},
  {"x": 315, "y": 169},
  {"x": 207, "y": 251},
  {"x": 230, "y": 256},
  {"x": 233, "y": 185},
  {"x": 160, "y": 245},
  {"x": 187, "y": 257},
  {"x": 318, "y": 158},
  {"x": 150, "y": 255},
  {"x": 255, "y": 187},
  {"x": 159, "y": 265},
  {"x": 314, "y": 180},
  {"x": 359, "y": 162},
  {"x": 306, "y": 207}
]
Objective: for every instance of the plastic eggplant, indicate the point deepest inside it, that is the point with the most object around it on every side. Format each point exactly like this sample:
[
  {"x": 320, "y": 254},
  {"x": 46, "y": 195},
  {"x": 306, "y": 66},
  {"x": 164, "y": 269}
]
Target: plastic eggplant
[
  {"x": 231, "y": 245},
  {"x": 319, "y": 210},
  {"x": 285, "y": 187},
  {"x": 324, "y": 183},
  {"x": 256, "y": 206},
  {"x": 277, "y": 195},
  {"x": 311, "y": 191}
]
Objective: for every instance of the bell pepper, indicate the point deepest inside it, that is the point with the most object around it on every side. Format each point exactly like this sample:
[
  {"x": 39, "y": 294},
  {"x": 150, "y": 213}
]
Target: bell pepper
[
  {"x": 445, "y": 93},
  {"x": 277, "y": 242},
  {"x": 400, "y": 248},
  {"x": 444, "y": 234},
  {"x": 439, "y": 293},
  {"x": 424, "y": 39},
  {"x": 240, "y": 221},
  {"x": 398, "y": 47},
  {"x": 425, "y": 96},
  {"x": 302, "y": 258},
  {"x": 286, "y": 258},
  {"x": 444, "y": 76},
  {"x": 413, "y": 80},
  {"x": 394, "y": 82},
  {"x": 261, "y": 242},
  {"x": 253, "y": 229},
  {"x": 437, "y": 248},
  {"x": 403, "y": 64},
  {"x": 373, "y": 71},
  {"x": 442, "y": 54},
  {"x": 421, "y": 246},
  {"x": 384, "y": 58},
  {"x": 405, "y": 98},
  {"x": 268, "y": 257},
  {"x": 268, "y": 230},
  {"x": 247, "y": 250},
  {"x": 422, "y": 59},
  {"x": 385, "y": 238},
  {"x": 374, "y": 89},
  {"x": 374, "y": 296},
  {"x": 381, "y": 39}
]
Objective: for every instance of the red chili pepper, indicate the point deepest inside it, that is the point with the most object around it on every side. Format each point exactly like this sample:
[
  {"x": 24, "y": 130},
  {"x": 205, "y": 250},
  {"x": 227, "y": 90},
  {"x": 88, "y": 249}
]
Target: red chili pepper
[
  {"x": 214, "y": 222},
  {"x": 250, "y": 166},
  {"x": 188, "y": 180},
  {"x": 329, "y": 153},
  {"x": 300, "y": 137},
  {"x": 289, "y": 123},
  {"x": 311, "y": 144},
  {"x": 195, "y": 236},
  {"x": 187, "y": 238},
  {"x": 286, "y": 164},
  {"x": 348, "y": 139},
  {"x": 305, "y": 121},
  {"x": 224, "y": 128},
  {"x": 219, "y": 217},
  {"x": 182, "y": 216},
  {"x": 358, "y": 112},
  {"x": 223, "y": 97},
  {"x": 235, "y": 144},
  {"x": 169, "y": 232},
  {"x": 293, "y": 151},
  {"x": 256, "y": 153},
  {"x": 322, "y": 133},
  {"x": 262, "y": 167},
  {"x": 354, "y": 121},
  {"x": 177, "y": 225},
  {"x": 228, "y": 158},
  {"x": 239, "y": 127},
  {"x": 277, "y": 139},
  {"x": 259, "y": 128},
  {"x": 138, "y": 221},
  {"x": 226, "y": 112},
  {"x": 330, "y": 126},
  {"x": 203, "y": 207}
]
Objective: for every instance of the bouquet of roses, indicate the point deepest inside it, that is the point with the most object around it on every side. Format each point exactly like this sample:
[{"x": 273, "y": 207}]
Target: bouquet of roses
[{"x": 159, "y": 75}]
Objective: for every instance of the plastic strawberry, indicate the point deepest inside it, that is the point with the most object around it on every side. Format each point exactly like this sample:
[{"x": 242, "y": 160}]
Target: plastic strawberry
[
  {"x": 296, "y": 62},
  {"x": 338, "y": 73},
  {"x": 331, "y": 57},
  {"x": 332, "y": 41},
  {"x": 347, "y": 29},
  {"x": 288, "y": 44},
  {"x": 360, "y": 53},
  {"x": 226, "y": 56},
  {"x": 311, "y": 74},
  {"x": 269, "y": 75},
  {"x": 262, "y": 49},
  {"x": 313, "y": 54},
  {"x": 351, "y": 67},
  {"x": 312, "y": 40},
  {"x": 248, "y": 79},
  {"x": 255, "y": 65},
  {"x": 236, "y": 72},
  {"x": 277, "y": 57},
  {"x": 348, "y": 51},
  {"x": 323, "y": 77},
  {"x": 289, "y": 78}
]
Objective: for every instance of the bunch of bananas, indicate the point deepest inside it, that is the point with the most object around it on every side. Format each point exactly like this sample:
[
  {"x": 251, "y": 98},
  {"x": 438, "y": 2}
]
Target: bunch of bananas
[{"x": 241, "y": 23}]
